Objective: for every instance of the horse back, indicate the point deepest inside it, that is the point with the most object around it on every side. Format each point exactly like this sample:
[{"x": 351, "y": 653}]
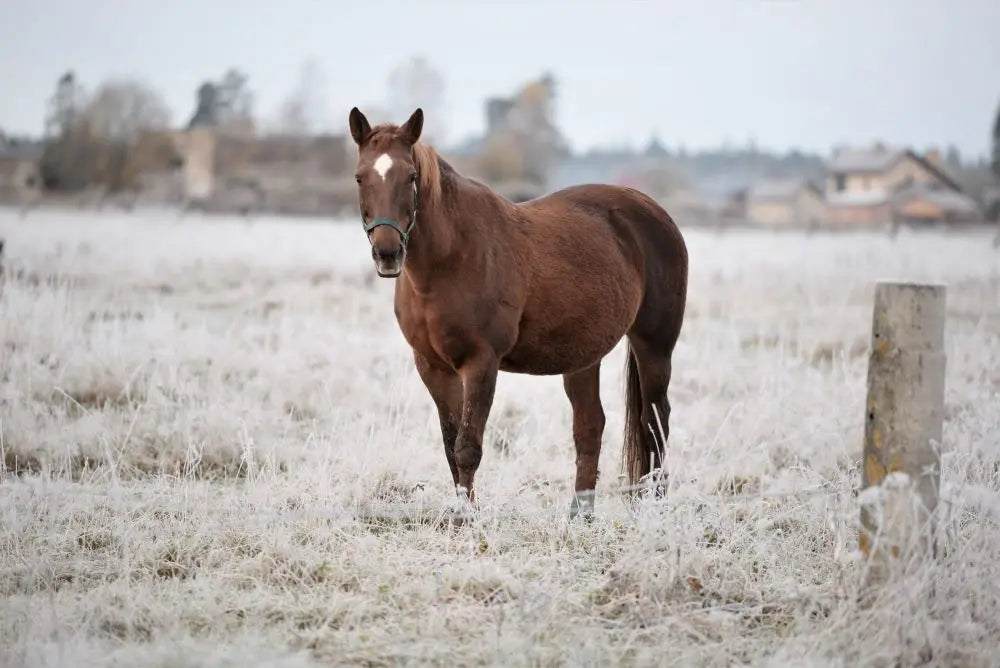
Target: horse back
[{"x": 643, "y": 228}]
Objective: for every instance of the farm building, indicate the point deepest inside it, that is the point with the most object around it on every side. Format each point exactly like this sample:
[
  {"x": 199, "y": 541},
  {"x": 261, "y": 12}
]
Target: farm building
[
  {"x": 868, "y": 187},
  {"x": 923, "y": 203},
  {"x": 785, "y": 203},
  {"x": 20, "y": 177},
  {"x": 286, "y": 174}
]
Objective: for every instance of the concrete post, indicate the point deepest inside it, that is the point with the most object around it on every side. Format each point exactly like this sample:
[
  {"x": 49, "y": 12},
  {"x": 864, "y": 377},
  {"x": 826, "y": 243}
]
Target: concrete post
[{"x": 903, "y": 421}]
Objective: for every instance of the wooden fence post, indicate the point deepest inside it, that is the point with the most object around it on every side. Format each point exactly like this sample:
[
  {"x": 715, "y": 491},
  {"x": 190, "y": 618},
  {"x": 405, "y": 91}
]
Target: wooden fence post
[{"x": 903, "y": 420}]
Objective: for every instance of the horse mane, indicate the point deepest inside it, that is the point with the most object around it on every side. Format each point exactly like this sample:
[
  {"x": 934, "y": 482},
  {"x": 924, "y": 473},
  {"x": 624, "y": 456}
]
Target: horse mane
[{"x": 429, "y": 170}]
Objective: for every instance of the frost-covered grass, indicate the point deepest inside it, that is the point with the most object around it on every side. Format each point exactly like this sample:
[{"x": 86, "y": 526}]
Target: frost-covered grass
[{"x": 198, "y": 417}]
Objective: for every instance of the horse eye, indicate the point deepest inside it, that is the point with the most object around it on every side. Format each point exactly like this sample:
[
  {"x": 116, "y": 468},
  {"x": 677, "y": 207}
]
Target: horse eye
[
  {"x": 357, "y": 180},
  {"x": 413, "y": 177}
]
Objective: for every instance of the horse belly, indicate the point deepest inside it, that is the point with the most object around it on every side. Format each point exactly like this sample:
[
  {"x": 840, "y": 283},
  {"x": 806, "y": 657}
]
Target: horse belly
[{"x": 554, "y": 339}]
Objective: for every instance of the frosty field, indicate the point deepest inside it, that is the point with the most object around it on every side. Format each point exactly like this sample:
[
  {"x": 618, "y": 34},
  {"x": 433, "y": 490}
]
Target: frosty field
[{"x": 210, "y": 430}]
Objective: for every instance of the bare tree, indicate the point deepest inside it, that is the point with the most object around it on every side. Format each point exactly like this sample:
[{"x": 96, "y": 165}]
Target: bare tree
[
  {"x": 235, "y": 98},
  {"x": 206, "y": 112},
  {"x": 995, "y": 164},
  {"x": 953, "y": 157},
  {"x": 306, "y": 110},
  {"x": 532, "y": 121},
  {"x": 120, "y": 110},
  {"x": 523, "y": 126},
  {"x": 995, "y": 161},
  {"x": 65, "y": 106},
  {"x": 93, "y": 143},
  {"x": 116, "y": 116},
  {"x": 226, "y": 104},
  {"x": 417, "y": 83},
  {"x": 67, "y": 162}
]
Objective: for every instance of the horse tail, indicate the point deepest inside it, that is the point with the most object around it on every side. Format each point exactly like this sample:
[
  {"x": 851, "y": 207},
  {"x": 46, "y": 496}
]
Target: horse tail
[{"x": 635, "y": 455}]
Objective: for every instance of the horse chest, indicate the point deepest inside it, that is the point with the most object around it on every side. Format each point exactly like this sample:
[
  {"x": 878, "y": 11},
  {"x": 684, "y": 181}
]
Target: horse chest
[{"x": 441, "y": 330}]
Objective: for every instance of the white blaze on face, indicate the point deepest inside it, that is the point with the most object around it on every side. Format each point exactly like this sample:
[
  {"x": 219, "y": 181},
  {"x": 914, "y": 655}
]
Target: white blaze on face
[{"x": 382, "y": 165}]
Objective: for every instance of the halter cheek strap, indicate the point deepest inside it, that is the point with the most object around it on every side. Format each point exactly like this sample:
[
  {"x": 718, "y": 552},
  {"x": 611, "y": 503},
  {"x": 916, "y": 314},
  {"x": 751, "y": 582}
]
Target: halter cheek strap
[{"x": 404, "y": 235}]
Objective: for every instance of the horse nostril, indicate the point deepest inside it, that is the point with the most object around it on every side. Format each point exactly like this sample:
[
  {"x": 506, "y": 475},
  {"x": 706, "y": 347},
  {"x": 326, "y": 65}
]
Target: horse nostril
[{"x": 381, "y": 254}]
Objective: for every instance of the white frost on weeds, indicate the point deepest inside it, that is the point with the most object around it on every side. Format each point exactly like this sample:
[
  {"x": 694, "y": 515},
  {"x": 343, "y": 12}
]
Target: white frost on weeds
[{"x": 190, "y": 428}]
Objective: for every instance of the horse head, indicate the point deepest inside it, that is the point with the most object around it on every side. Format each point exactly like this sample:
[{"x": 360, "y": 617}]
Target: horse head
[{"x": 388, "y": 186}]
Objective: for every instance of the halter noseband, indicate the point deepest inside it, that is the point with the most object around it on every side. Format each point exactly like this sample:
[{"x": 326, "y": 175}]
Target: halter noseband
[{"x": 404, "y": 235}]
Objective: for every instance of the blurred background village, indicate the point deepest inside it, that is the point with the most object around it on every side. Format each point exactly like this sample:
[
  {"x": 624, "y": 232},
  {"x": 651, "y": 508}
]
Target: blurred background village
[{"x": 113, "y": 144}]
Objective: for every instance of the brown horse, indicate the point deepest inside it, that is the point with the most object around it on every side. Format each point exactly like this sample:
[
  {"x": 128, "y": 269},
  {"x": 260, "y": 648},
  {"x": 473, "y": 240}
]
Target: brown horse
[{"x": 544, "y": 287}]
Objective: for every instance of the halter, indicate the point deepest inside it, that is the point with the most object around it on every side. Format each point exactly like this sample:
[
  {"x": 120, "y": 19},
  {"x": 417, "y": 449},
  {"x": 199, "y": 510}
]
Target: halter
[{"x": 404, "y": 235}]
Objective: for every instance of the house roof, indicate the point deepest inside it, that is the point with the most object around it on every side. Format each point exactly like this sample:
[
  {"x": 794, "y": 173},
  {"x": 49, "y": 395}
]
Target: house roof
[
  {"x": 948, "y": 200},
  {"x": 875, "y": 159},
  {"x": 780, "y": 189},
  {"x": 880, "y": 159}
]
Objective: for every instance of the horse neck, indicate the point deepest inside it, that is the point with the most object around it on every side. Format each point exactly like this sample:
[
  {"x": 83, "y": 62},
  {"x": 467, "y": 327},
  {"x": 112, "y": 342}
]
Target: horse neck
[{"x": 442, "y": 235}]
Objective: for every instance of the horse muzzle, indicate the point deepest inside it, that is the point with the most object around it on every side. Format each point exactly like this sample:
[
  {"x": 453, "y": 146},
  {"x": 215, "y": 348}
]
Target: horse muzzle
[{"x": 389, "y": 264}]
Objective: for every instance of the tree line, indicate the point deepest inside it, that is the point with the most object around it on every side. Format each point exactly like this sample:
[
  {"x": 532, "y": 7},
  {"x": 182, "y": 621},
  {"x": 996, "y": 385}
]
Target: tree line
[{"x": 109, "y": 136}]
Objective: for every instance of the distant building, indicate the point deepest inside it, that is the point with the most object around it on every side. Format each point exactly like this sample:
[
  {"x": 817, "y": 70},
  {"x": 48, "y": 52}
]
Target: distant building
[
  {"x": 734, "y": 206},
  {"x": 785, "y": 203},
  {"x": 197, "y": 148},
  {"x": 285, "y": 174},
  {"x": 920, "y": 203},
  {"x": 20, "y": 174},
  {"x": 979, "y": 182},
  {"x": 880, "y": 185}
]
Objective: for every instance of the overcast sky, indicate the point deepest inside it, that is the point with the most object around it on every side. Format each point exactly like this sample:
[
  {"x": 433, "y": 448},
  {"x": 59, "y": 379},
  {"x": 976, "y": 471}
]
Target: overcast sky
[{"x": 807, "y": 73}]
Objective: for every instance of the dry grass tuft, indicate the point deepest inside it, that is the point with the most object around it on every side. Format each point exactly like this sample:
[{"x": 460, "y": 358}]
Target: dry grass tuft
[{"x": 216, "y": 453}]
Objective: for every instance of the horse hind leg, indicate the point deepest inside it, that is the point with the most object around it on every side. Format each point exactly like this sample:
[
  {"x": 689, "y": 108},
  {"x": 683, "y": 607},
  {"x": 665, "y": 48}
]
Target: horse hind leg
[
  {"x": 583, "y": 390},
  {"x": 653, "y": 368}
]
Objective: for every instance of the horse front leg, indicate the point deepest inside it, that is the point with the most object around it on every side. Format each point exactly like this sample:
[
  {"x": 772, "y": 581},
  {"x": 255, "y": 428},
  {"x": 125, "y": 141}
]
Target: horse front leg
[
  {"x": 445, "y": 388},
  {"x": 479, "y": 378}
]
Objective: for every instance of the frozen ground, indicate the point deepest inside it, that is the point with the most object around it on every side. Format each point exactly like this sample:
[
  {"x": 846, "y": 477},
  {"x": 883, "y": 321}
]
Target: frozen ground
[{"x": 197, "y": 416}]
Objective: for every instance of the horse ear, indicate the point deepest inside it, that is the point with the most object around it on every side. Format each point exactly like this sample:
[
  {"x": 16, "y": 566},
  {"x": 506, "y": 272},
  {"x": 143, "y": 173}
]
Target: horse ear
[
  {"x": 411, "y": 129},
  {"x": 360, "y": 129}
]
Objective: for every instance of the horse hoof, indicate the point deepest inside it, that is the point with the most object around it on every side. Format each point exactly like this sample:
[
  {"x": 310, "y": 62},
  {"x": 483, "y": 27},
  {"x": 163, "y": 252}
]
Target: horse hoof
[
  {"x": 457, "y": 516},
  {"x": 582, "y": 505},
  {"x": 461, "y": 509}
]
